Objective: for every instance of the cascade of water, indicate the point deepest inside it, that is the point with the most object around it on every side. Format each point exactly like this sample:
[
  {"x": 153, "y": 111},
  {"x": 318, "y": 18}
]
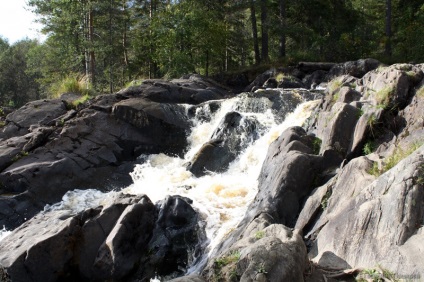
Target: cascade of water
[
  {"x": 4, "y": 233},
  {"x": 220, "y": 198}
]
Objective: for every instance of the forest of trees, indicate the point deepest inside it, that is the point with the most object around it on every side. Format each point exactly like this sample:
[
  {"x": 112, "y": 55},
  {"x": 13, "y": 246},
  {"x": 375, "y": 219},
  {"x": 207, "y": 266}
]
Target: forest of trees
[{"x": 106, "y": 44}]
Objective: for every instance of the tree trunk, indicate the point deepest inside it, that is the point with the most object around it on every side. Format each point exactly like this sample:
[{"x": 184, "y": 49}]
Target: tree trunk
[
  {"x": 207, "y": 64},
  {"x": 92, "y": 58},
  {"x": 255, "y": 32},
  {"x": 152, "y": 9},
  {"x": 264, "y": 28},
  {"x": 283, "y": 28},
  {"x": 388, "y": 47}
]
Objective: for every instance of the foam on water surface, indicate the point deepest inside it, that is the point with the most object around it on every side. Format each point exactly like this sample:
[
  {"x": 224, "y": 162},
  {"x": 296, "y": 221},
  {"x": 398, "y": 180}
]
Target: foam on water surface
[{"x": 220, "y": 198}]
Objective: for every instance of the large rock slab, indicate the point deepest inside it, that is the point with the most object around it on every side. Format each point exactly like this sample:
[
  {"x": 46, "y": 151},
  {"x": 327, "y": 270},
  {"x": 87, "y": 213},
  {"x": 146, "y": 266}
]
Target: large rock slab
[
  {"x": 374, "y": 221},
  {"x": 390, "y": 87},
  {"x": 336, "y": 126},
  {"x": 193, "y": 89},
  {"x": 275, "y": 253}
]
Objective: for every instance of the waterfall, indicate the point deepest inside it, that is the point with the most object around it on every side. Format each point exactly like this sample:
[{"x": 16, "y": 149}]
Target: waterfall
[
  {"x": 220, "y": 198},
  {"x": 4, "y": 233}
]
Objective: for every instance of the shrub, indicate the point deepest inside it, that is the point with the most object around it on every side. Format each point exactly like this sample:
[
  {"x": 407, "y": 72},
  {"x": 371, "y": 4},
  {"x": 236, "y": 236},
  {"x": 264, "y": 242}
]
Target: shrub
[
  {"x": 369, "y": 147},
  {"x": 316, "y": 145},
  {"x": 72, "y": 84},
  {"x": 372, "y": 123}
]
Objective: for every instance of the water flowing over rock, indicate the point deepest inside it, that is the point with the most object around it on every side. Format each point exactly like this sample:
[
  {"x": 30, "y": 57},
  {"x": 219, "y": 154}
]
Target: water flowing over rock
[
  {"x": 270, "y": 185},
  {"x": 47, "y": 150}
]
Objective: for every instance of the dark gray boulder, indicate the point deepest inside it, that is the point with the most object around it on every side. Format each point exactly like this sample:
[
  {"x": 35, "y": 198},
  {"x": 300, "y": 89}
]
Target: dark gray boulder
[
  {"x": 36, "y": 113},
  {"x": 259, "y": 80},
  {"x": 233, "y": 134},
  {"x": 176, "y": 240},
  {"x": 45, "y": 247},
  {"x": 128, "y": 238},
  {"x": 193, "y": 89},
  {"x": 354, "y": 68}
]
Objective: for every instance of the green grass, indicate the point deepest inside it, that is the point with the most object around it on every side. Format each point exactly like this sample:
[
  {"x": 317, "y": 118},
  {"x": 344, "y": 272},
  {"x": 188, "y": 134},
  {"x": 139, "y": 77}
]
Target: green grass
[
  {"x": 334, "y": 85},
  {"x": 81, "y": 100},
  {"x": 71, "y": 84},
  {"x": 134, "y": 83},
  {"x": 19, "y": 156},
  {"x": 383, "y": 96},
  {"x": 229, "y": 262},
  {"x": 420, "y": 92},
  {"x": 324, "y": 201},
  {"x": 372, "y": 123},
  {"x": 393, "y": 160},
  {"x": 316, "y": 145},
  {"x": 376, "y": 275},
  {"x": 231, "y": 258},
  {"x": 369, "y": 147},
  {"x": 259, "y": 235}
]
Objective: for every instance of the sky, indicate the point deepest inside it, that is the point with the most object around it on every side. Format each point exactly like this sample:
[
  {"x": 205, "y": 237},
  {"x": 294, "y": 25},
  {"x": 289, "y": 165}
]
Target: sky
[{"x": 16, "y": 22}]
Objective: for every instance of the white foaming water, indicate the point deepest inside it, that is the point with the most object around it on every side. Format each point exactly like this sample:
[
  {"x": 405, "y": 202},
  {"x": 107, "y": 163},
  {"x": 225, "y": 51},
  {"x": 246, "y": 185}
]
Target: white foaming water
[
  {"x": 4, "y": 233},
  {"x": 220, "y": 198},
  {"x": 77, "y": 200}
]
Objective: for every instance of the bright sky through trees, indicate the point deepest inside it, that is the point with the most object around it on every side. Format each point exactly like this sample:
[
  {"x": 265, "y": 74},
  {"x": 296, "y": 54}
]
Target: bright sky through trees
[{"x": 16, "y": 21}]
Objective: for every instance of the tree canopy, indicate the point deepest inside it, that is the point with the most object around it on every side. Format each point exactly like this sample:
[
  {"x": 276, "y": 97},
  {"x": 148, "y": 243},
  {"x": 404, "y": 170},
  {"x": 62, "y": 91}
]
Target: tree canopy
[{"x": 109, "y": 43}]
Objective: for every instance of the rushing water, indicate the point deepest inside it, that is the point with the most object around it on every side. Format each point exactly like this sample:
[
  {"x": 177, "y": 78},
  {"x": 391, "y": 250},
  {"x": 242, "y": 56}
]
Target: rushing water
[
  {"x": 220, "y": 198},
  {"x": 4, "y": 233}
]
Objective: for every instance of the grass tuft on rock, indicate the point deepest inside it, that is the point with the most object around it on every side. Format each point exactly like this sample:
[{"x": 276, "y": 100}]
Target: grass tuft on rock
[{"x": 393, "y": 160}]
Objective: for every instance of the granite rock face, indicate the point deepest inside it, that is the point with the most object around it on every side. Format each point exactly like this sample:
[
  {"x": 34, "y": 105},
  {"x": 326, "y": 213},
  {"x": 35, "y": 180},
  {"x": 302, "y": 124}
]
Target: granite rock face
[
  {"x": 49, "y": 147},
  {"x": 111, "y": 242},
  {"x": 341, "y": 194}
]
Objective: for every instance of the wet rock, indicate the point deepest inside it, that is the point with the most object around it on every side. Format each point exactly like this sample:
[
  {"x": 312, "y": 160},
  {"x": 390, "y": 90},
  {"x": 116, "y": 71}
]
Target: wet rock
[
  {"x": 260, "y": 80},
  {"x": 233, "y": 134},
  {"x": 211, "y": 157},
  {"x": 189, "y": 278},
  {"x": 47, "y": 150},
  {"x": 175, "y": 241}
]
